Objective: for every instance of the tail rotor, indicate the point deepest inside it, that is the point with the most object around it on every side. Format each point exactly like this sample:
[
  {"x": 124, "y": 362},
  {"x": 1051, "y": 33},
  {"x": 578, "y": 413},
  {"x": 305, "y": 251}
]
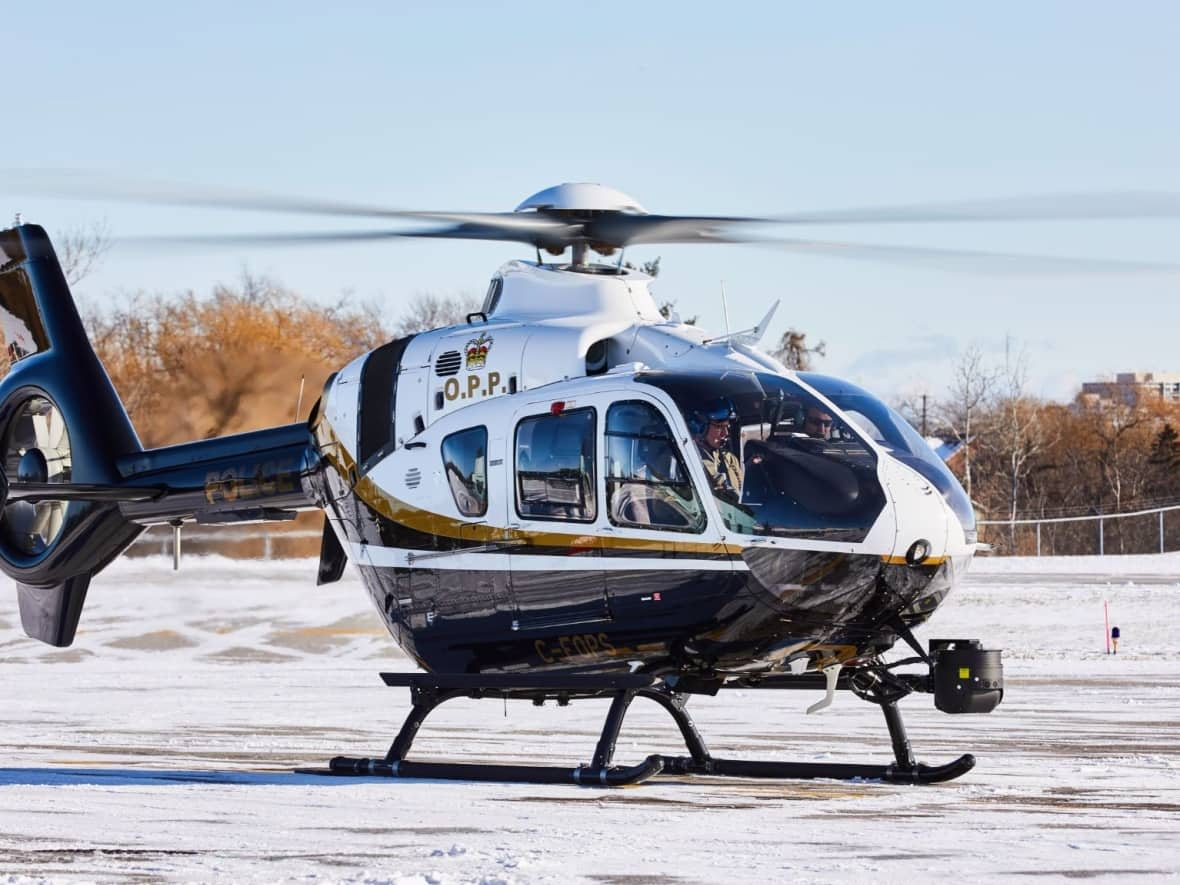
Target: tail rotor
[{"x": 36, "y": 449}]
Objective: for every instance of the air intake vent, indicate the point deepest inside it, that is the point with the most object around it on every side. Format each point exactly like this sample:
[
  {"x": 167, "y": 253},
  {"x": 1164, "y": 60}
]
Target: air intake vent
[
  {"x": 448, "y": 363},
  {"x": 413, "y": 477},
  {"x": 596, "y": 358}
]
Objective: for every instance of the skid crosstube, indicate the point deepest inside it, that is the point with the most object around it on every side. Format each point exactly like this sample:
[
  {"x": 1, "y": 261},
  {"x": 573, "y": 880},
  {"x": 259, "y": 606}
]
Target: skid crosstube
[{"x": 429, "y": 690}]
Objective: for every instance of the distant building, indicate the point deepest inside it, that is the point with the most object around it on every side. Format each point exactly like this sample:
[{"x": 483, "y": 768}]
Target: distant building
[{"x": 1132, "y": 387}]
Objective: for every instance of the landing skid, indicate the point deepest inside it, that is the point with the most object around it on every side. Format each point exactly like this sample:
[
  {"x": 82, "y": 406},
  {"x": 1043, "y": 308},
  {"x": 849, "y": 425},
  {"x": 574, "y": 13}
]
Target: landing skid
[{"x": 428, "y": 691}]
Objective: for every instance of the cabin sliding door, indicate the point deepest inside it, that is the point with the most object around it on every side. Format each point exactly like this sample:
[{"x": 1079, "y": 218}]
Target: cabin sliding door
[{"x": 557, "y": 578}]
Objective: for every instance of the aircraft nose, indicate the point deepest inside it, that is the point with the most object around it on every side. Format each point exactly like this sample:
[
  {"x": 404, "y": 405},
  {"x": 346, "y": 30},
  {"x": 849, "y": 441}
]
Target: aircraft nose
[{"x": 923, "y": 517}]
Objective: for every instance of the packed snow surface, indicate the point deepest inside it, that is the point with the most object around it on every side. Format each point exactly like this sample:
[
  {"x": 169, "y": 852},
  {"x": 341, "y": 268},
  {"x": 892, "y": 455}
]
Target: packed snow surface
[{"x": 160, "y": 747}]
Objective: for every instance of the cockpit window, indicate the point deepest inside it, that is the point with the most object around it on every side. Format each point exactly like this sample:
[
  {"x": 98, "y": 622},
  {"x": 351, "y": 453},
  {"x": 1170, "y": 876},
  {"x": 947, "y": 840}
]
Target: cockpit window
[
  {"x": 777, "y": 460},
  {"x": 647, "y": 485},
  {"x": 893, "y": 433}
]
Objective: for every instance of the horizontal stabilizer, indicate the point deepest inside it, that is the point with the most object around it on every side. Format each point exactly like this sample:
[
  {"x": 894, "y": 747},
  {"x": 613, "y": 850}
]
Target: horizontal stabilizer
[
  {"x": 77, "y": 491},
  {"x": 51, "y": 614}
]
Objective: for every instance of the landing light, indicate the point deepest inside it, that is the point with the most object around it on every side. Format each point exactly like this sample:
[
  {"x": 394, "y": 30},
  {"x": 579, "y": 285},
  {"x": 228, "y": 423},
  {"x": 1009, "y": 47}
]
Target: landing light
[{"x": 918, "y": 553}]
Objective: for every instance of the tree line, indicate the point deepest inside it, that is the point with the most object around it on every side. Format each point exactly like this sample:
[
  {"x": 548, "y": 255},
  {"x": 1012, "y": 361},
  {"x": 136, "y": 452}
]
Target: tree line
[{"x": 1021, "y": 457}]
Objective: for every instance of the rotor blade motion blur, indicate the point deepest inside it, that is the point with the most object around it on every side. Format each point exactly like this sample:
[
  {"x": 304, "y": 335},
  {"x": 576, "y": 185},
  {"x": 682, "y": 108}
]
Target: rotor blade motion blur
[
  {"x": 588, "y": 216},
  {"x": 1050, "y": 207},
  {"x": 543, "y": 233},
  {"x": 968, "y": 261},
  {"x": 90, "y": 186}
]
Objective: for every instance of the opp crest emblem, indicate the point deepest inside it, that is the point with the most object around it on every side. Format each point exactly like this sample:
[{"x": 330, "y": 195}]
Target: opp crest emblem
[{"x": 477, "y": 351}]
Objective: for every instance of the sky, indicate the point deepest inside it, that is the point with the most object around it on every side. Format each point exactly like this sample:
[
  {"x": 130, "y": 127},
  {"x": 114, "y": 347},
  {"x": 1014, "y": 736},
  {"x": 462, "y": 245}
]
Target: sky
[{"x": 737, "y": 108}]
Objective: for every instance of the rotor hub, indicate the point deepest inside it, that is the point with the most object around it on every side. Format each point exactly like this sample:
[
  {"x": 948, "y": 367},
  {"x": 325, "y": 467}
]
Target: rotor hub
[{"x": 581, "y": 197}]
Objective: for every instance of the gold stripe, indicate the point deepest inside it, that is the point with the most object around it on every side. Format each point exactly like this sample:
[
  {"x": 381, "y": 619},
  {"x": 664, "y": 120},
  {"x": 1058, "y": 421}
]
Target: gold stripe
[
  {"x": 901, "y": 560},
  {"x": 431, "y": 523}
]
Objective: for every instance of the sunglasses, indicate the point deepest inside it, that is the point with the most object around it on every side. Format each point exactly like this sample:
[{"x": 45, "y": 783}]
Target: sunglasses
[{"x": 819, "y": 422}]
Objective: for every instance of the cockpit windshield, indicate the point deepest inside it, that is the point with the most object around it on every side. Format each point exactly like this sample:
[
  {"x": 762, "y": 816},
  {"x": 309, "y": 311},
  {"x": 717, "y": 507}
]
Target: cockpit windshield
[
  {"x": 893, "y": 433},
  {"x": 778, "y": 461}
]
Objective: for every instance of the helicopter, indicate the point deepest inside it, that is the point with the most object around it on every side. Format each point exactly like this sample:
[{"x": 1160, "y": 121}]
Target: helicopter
[{"x": 566, "y": 496}]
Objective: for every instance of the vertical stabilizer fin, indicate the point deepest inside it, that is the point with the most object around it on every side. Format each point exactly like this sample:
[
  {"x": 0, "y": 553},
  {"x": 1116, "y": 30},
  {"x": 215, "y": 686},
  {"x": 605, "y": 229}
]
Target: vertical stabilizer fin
[
  {"x": 51, "y": 614},
  {"x": 333, "y": 559}
]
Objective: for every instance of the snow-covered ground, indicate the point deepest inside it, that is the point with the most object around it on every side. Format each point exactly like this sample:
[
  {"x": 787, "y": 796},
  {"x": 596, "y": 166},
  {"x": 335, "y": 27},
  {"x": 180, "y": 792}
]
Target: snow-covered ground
[{"x": 161, "y": 747}]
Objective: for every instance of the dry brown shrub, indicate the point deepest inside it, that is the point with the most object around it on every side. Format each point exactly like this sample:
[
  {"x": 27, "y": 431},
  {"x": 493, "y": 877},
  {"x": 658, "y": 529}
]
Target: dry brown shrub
[{"x": 189, "y": 367}]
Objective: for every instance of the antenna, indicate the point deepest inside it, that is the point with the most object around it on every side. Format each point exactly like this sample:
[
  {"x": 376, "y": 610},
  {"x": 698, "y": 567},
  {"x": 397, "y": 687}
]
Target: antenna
[
  {"x": 724, "y": 309},
  {"x": 299, "y": 402},
  {"x": 750, "y": 337}
]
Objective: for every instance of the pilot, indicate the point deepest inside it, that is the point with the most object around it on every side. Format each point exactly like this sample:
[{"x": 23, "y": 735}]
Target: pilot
[
  {"x": 722, "y": 466},
  {"x": 817, "y": 423},
  {"x": 645, "y": 501}
]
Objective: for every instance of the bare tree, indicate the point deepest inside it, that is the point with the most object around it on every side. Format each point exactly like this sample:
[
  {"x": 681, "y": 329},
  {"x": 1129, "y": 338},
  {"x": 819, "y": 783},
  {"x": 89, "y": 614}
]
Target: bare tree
[
  {"x": 1165, "y": 450},
  {"x": 1128, "y": 435},
  {"x": 81, "y": 248},
  {"x": 1020, "y": 435},
  {"x": 972, "y": 383},
  {"x": 428, "y": 311},
  {"x": 651, "y": 268},
  {"x": 916, "y": 407},
  {"x": 669, "y": 312},
  {"x": 794, "y": 352}
]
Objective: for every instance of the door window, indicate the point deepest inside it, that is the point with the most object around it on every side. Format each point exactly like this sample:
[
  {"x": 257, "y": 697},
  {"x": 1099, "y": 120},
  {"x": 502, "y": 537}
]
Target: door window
[
  {"x": 647, "y": 485},
  {"x": 555, "y": 466},
  {"x": 465, "y": 462}
]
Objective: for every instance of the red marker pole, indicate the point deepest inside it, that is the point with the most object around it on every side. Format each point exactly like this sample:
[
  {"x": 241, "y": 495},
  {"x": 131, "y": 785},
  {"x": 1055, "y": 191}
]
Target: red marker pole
[{"x": 1106, "y": 617}]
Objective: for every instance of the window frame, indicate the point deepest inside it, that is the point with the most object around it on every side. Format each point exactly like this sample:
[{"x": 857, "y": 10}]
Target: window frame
[
  {"x": 442, "y": 454},
  {"x": 593, "y": 460}
]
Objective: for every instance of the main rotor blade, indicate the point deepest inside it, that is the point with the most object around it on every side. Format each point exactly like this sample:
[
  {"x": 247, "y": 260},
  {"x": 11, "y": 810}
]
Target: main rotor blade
[
  {"x": 625, "y": 230},
  {"x": 968, "y": 261},
  {"x": 938, "y": 259},
  {"x": 542, "y": 233},
  {"x": 81, "y": 184},
  {"x": 1048, "y": 207},
  {"x": 629, "y": 230}
]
